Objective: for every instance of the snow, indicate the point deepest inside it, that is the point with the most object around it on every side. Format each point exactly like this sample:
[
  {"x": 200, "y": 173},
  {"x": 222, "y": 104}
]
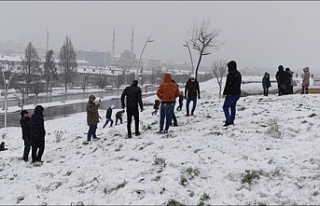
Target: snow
[{"x": 276, "y": 136}]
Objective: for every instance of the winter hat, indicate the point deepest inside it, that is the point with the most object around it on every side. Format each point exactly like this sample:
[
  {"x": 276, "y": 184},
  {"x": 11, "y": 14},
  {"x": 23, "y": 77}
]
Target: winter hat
[
  {"x": 23, "y": 112},
  {"x": 232, "y": 65},
  {"x": 112, "y": 106},
  {"x": 135, "y": 82},
  {"x": 280, "y": 68},
  {"x": 287, "y": 70},
  {"x": 192, "y": 76}
]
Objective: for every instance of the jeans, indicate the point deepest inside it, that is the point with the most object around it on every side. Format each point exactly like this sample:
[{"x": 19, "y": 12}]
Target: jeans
[
  {"x": 194, "y": 100},
  {"x": 26, "y": 151},
  {"x": 135, "y": 114},
  {"x": 166, "y": 111},
  {"x": 37, "y": 149},
  {"x": 230, "y": 104},
  {"x": 304, "y": 90},
  {"x": 108, "y": 120},
  {"x": 265, "y": 91},
  {"x": 92, "y": 132}
]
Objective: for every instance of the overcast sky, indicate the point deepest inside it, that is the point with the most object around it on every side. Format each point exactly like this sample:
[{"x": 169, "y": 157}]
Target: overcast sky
[{"x": 262, "y": 34}]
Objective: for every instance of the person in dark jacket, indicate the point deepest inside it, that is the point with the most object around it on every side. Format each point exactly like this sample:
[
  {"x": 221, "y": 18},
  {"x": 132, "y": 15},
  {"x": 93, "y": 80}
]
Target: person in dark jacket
[
  {"x": 179, "y": 108},
  {"x": 280, "y": 76},
  {"x": 2, "y": 147},
  {"x": 38, "y": 134},
  {"x": 26, "y": 133},
  {"x": 92, "y": 117},
  {"x": 287, "y": 81},
  {"x": 266, "y": 84},
  {"x": 232, "y": 92},
  {"x": 134, "y": 99},
  {"x": 156, "y": 107},
  {"x": 119, "y": 116},
  {"x": 192, "y": 92},
  {"x": 108, "y": 116}
]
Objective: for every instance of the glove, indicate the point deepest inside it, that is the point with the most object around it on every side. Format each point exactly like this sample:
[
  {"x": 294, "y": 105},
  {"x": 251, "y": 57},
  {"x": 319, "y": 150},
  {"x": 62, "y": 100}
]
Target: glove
[{"x": 142, "y": 110}]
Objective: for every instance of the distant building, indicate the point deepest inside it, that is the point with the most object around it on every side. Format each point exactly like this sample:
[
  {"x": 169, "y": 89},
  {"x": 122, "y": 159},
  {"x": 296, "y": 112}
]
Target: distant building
[
  {"x": 95, "y": 57},
  {"x": 125, "y": 60}
]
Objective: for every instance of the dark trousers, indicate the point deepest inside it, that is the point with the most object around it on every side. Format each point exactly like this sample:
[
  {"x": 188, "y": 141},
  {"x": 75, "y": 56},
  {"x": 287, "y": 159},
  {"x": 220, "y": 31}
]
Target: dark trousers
[
  {"x": 118, "y": 119},
  {"x": 108, "y": 120},
  {"x": 279, "y": 89},
  {"x": 179, "y": 108},
  {"x": 194, "y": 100},
  {"x": 166, "y": 111},
  {"x": 304, "y": 90},
  {"x": 92, "y": 132},
  {"x": 26, "y": 150},
  {"x": 135, "y": 114},
  {"x": 265, "y": 91},
  {"x": 154, "y": 112},
  {"x": 291, "y": 90},
  {"x": 37, "y": 149},
  {"x": 230, "y": 103}
]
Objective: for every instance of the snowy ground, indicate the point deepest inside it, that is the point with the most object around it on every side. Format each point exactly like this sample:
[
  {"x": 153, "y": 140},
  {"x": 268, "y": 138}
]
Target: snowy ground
[{"x": 271, "y": 156}]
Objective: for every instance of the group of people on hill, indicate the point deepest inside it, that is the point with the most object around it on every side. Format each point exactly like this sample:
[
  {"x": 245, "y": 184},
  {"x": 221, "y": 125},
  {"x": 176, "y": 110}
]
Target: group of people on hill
[
  {"x": 285, "y": 81},
  {"x": 33, "y": 134}
]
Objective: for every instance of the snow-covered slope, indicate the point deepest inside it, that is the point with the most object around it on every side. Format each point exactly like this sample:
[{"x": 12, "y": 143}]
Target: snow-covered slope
[{"x": 271, "y": 156}]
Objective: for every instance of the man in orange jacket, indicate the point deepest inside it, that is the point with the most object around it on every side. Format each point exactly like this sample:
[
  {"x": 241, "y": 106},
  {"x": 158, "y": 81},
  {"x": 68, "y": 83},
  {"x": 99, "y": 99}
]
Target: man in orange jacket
[{"x": 167, "y": 92}]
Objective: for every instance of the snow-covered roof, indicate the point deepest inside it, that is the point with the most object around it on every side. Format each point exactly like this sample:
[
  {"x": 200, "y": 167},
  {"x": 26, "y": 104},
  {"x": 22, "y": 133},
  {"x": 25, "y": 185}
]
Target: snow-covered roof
[{"x": 11, "y": 58}]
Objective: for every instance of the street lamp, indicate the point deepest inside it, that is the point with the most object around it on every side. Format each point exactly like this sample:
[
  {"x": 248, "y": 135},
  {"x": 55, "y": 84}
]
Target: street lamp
[
  {"x": 144, "y": 47},
  {"x": 187, "y": 45}
]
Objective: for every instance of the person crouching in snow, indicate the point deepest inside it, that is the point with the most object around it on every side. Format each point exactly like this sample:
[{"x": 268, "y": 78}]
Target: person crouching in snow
[
  {"x": 108, "y": 116},
  {"x": 2, "y": 147},
  {"x": 156, "y": 107},
  {"x": 119, "y": 116},
  {"x": 26, "y": 133}
]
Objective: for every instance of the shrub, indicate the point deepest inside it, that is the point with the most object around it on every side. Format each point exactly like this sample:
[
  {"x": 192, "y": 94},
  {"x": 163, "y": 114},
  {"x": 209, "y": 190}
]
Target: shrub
[
  {"x": 173, "y": 202},
  {"x": 249, "y": 177}
]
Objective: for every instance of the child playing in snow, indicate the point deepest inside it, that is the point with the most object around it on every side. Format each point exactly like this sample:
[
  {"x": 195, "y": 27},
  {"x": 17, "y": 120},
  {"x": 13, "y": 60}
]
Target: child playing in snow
[
  {"x": 156, "y": 107},
  {"x": 2, "y": 147},
  {"x": 108, "y": 116},
  {"x": 119, "y": 116},
  {"x": 179, "y": 108}
]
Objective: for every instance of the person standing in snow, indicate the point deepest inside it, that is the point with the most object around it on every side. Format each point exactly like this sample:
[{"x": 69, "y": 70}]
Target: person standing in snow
[
  {"x": 108, "y": 116},
  {"x": 288, "y": 79},
  {"x": 26, "y": 133},
  {"x": 232, "y": 92},
  {"x": 174, "y": 118},
  {"x": 38, "y": 134},
  {"x": 280, "y": 76},
  {"x": 305, "y": 81},
  {"x": 133, "y": 94},
  {"x": 119, "y": 116},
  {"x": 167, "y": 92},
  {"x": 266, "y": 84},
  {"x": 179, "y": 108},
  {"x": 92, "y": 117},
  {"x": 156, "y": 107},
  {"x": 192, "y": 92},
  {"x": 292, "y": 82}
]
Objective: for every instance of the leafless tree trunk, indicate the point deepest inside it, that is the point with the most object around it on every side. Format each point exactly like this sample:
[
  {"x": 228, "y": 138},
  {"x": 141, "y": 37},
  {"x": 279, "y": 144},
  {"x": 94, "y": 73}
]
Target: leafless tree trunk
[
  {"x": 30, "y": 65},
  {"x": 203, "y": 38},
  {"x": 67, "y": 61},
  {"x": 219, "y": 70}
]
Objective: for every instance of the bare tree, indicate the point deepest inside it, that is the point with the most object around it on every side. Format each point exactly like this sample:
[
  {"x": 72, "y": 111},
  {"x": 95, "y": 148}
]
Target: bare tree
[
  {"x": 67, "y": 61},
  {"x": 30, "y": 65},
  {"x": 219, "y": 70},
  {"x": 203, "y": 38},
  {"x": 49, "y": 70}
]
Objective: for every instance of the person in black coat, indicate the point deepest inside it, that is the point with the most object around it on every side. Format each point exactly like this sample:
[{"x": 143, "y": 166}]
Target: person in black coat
[
  {"x": 192, "y": 93},
  {"x": 287, "y": 81},
  {"x": 179, "y": 108},
  {"x": 38, "y": 134},
  {"x": 133, "y": 94},
  {"x": 119, "y": 116},
  {"x": 26, "y": 133},
  {"x": 232, "y": 92},
  {"x": 108, "y": 116},
  {"x": 281, "y": 78},
  {"x": 156, "y": 107},
  {"x": 266, "y": 84}
]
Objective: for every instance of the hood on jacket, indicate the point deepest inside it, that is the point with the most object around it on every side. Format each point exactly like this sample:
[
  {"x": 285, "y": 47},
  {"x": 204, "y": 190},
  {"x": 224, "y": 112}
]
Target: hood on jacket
[
  {"x": 280, "y": 68},
  {"x": 167, "y": 77},
  {"x": 39, "y": 110},
  {"x": 267, "y": 75},
  {"x": 135, "y": 83},
  {"x": 232, "y": 66},
  {"x": 92, "y": 98},
  {"x": 306, "y": 69}
]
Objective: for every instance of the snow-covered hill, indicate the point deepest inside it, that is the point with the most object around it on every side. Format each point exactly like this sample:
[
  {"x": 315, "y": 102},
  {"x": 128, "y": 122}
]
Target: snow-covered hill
[{"x": 271, "y": 156}]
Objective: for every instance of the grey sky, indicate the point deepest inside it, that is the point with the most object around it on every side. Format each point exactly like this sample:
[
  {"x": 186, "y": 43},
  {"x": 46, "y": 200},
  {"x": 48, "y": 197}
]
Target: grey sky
[{"x": 262, "y": 34}]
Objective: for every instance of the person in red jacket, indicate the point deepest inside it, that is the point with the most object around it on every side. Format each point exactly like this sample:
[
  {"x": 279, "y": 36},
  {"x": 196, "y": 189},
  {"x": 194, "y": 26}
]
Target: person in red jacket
[{"x": 167, "y": 92}]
